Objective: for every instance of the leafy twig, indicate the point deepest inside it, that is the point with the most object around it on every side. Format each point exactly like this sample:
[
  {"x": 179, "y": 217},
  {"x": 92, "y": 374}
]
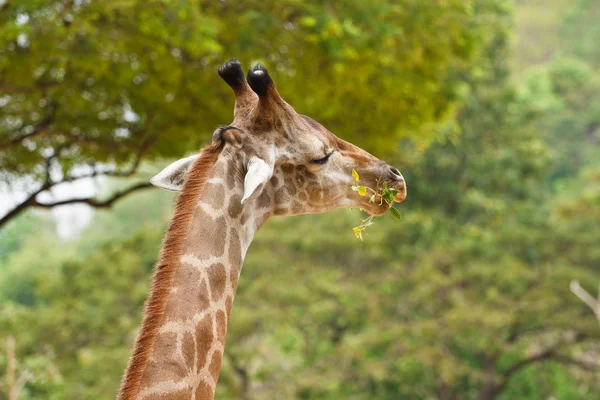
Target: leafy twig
[{"x": 382, "y": 194}]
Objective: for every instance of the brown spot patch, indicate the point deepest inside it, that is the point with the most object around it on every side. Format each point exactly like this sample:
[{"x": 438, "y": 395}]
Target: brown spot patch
[
  {"x": 204, "y": 339},
  {"x": 221, "y": 327},
  {"x": 287, "y": 169},
  {"x": 210, "y": 233},
  {"x": 244, "y": 218},
  {"x": 190, "y": 296},
  {"x": 167, "y": 370},
  {"x": 188, "y": 348},
  {"x": 235, "y": 257},
  {"x": 300, "y": 178},
  {"x": 230, "y": 181},
  {"x": 219, "y": 169},
  {"x": 165, "y": 344},
  {"x": 217, "y": 276},
  {"x": 203, "y": 392},
  {"x": 302, "y": 195},
  {"x": 214, "y": 195},
  {"x": 291, "y": 189},
  {"x": 228, "y": 304},
  {"x": 264, "y": 200},
  {"x": 231, "y": 174},
  {"x": 235, "y": 206},
  {"x": 281, "y": 197},
  {"x": 215, "y": 365}
]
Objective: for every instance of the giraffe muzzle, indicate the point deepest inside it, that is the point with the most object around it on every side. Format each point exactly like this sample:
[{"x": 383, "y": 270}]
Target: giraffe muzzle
[{"x": 396, "y": 181}]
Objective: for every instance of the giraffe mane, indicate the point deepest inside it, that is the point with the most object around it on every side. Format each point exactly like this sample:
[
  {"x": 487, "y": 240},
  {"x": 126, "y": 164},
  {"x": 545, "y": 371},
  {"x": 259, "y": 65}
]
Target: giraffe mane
[{"x": 166, "y": 267}]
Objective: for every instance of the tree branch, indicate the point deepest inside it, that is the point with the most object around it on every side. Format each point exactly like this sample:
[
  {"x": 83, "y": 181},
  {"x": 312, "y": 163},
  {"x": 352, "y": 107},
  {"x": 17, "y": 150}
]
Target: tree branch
[
  {"x": 22, "y": 206},
  {"x": 12, "y": 89},
  {"x": 586, "y": 297},
  {"x": 495, "y": 386},
  {"x": 548, "y": 353},
  {"x": 42, "y": 130},
  {"x": 31, "y": 201},
  {"x": 39, "y": 129},
  {"x": 563, "y": 359},
  {"x": 92, "y": 201},
  {"x": 120, "y": 174}
]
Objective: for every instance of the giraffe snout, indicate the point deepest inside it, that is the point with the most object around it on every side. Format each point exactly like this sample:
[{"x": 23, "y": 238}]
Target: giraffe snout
[{"x": 396, "y": 181}]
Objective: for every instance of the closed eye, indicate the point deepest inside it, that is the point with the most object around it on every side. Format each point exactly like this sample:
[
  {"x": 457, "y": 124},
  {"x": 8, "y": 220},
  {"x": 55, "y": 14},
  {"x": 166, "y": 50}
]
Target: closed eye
[{"x": 322, "y": 160}]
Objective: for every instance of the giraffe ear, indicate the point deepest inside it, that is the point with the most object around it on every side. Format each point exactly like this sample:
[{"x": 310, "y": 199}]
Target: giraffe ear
[
  {"x": 173, "y": 177},
  {"x": 259, "y": 173}
]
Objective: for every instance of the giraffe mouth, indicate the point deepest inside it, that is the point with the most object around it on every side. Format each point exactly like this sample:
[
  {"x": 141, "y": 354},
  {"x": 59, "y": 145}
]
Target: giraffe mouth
[
  {"x": 401, "y": 196},
  {"x": 377, "y": 208},
  {"x": 380, "y": 206},
  {"x": 400, "y": 186}
]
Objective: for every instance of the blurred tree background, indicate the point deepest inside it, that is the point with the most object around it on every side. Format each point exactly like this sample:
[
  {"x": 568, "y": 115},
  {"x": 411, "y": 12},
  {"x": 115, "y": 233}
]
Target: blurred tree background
[{"x": 490, "y": 108}]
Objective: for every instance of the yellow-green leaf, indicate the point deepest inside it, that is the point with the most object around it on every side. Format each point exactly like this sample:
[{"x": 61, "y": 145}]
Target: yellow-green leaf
[
  {"x": 355, "y": 175},
  {"x": 358, "y": 232}
]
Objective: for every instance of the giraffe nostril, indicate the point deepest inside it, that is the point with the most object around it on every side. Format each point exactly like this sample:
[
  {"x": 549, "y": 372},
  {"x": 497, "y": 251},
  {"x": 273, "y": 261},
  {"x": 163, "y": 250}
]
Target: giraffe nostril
[{"x": 396, "y": 173}]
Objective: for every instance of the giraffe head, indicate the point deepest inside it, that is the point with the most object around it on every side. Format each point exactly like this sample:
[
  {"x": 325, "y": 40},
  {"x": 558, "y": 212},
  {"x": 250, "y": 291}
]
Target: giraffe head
[{"x": 305, "y": 166}]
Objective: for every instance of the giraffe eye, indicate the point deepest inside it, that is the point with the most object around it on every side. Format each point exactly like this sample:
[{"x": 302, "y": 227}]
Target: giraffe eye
[{"x": 323, "y": 160}]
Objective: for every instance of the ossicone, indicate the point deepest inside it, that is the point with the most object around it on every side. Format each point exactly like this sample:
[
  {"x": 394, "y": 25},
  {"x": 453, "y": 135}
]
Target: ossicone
[
  {"x": 233, "y": 74},
  {"x": 259, "y": 80}
]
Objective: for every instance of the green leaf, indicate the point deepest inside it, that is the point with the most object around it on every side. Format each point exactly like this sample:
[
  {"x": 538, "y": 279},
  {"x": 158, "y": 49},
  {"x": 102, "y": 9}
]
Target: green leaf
[
  {"x": 372, "y": 199},
  {"x": 395, "y": 213},
  {"x": 387, "y": 196}
]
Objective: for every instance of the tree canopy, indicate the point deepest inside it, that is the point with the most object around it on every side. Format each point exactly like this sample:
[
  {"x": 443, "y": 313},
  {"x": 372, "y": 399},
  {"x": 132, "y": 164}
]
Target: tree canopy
[{"x": 94, "y": 88}]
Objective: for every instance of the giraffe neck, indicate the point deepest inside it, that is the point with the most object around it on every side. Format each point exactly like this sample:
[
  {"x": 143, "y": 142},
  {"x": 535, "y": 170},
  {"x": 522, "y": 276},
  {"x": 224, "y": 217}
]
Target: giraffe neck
[{"x": 186, "y": 351}]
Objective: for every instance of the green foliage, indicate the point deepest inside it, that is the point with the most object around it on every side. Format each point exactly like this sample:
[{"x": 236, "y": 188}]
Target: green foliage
[
  {"x": 565, "y": 92},
  {"x": 538, "y": 31},
  {"x": 12, "y": 237},
  {"x": 104, "y": 82},
  {"x": 83, "y": 302},
  {"x": 467, "y": 298},
  {"x": 580, "y": 31}
]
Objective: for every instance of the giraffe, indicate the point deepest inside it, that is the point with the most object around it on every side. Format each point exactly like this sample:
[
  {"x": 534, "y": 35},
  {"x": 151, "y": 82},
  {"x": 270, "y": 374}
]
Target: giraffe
[{"x": 269, "y": 161}]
